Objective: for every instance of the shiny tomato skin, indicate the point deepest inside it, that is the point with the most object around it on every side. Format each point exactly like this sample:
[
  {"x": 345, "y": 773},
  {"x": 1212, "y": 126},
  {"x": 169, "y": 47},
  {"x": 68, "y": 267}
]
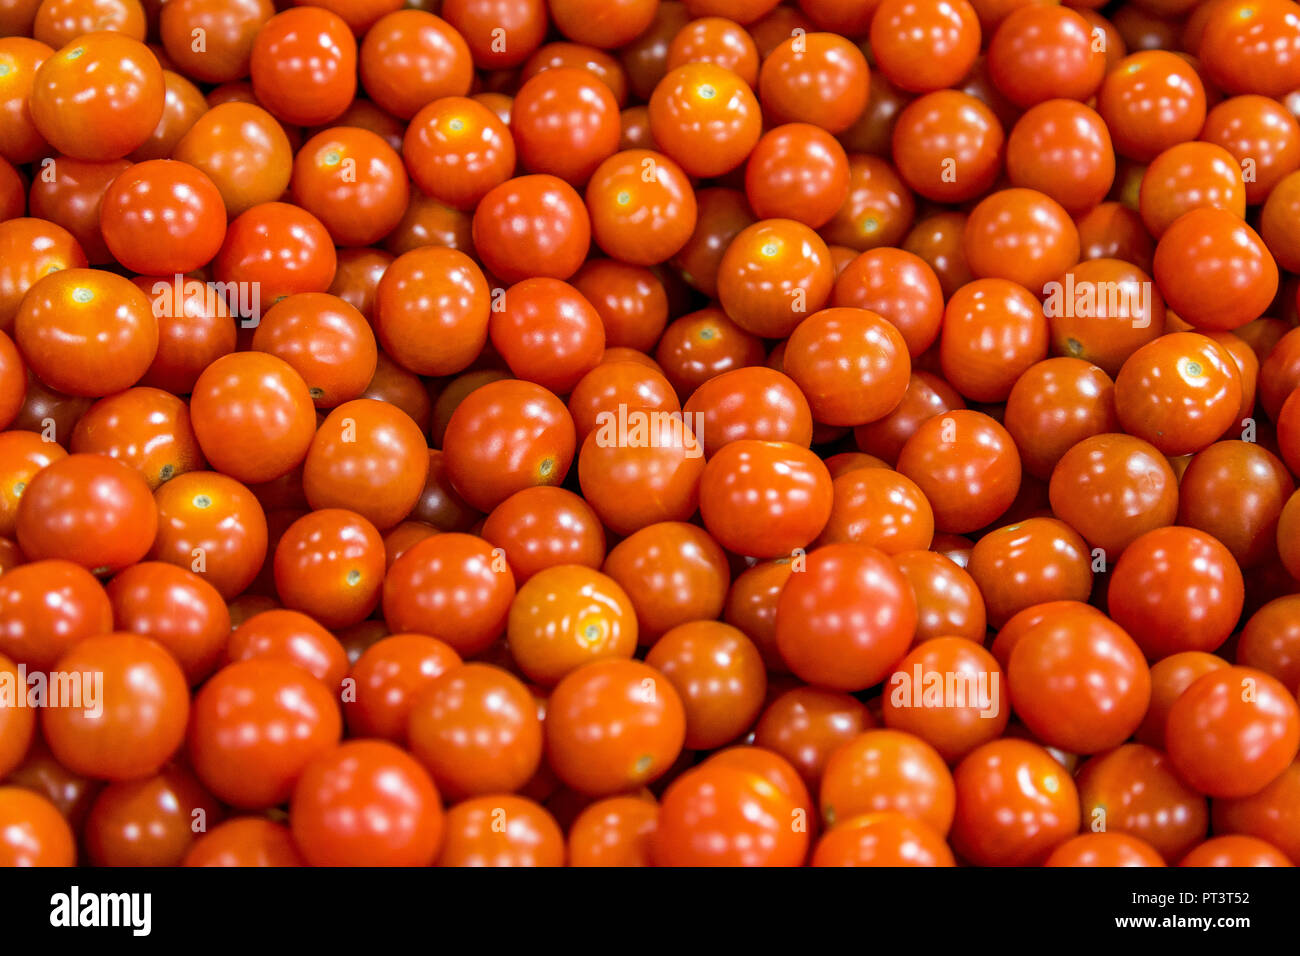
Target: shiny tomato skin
[
  {"x": 86, "y": 331},
  {"x": 1176, "y": 589},
  {"x": 163, "y": 217},
  {"x": 245, "y": 841},
  {"x": 253, "y": 415},
  {"x": 1235, "y": 850},
  {"x": 390, "y": 674},
  {"x": 725, "y": 816},
  {"x": 90, "y": 509},
  {"x": 506, "y": 436},
  {"x": 255, "y": 726},
  {"x": 1233, "y": 731},
  {"x": 214, "y": 526},
  {"x": 613, "y": 725},
  {"x": 1133, "y": 789},
  {"x": 475, "y": 729},
  {"x": 368, "y": 456},
  {"x": 535, "y": 225},
  {"x": 454, "y": 587},
  {"x": 99, "y": 97},
  {"x": 967, "y": 466},
  {"x": 303, "y": 66},
  {"x": 175, "y": 607},
  {"x": 787, "y": 481},
  {"x": 17, "y": 723},
  {"x": 846, "y": 619},
  {"x": 1015, "y": 805},
  {"x": 35, "y": 832},
  {"x": 277, "y": 249},
  {"x": 49, "y": 607},
  {"x": 882, "y": 839},
  {"x": 366, "y": 803},
  {"x": 142, "y": 718}
]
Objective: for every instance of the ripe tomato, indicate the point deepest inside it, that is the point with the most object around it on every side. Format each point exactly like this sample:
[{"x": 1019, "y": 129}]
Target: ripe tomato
[
  {"x": 887, "y": 771},
  {"x": 846, "y": 619},
  {"x": 787, "y": 481},
  {"x": 641, "y": 205},
  {"x": 1079, "y": 682},
  {"x": 229, "y": 29},
  {"x": 701, "y": 345},
  {"x": 303, "y": 66},
  {"x": 71, "y": 199},
  {"x": 705, "y": 117},
  {"x": 353, "y": 182},
  {"x": 565, "y": 122},
  {"x": 882, "y": 839},
  {"x": 149, "y": 822},
  {"x": 99, "y": 97},
  {"x": 967, "y": 466},
  {"x": 212, "y": 525},
  {"x": 719, "y": 674},
  {"x": 880, "y": 508},
  {"x": 89, "y": 509},
  {"x": 410, "y": 58},
  {"x": 162, "y": 217},
  {"x": 1268, "y": 815},
  {"x": 1233, "y": 731},
  {"x": 618, "y": 831},
  {"x": 1235, "y": 850},
  {"x": 454, "y": 587},
  {"x": 253, "y": 415},
  {"x": 34, "y": 831},
  {"x": 1112, "y": 488},
  {"x": 718, "y": 815},
  {"x": 993, "y": 331},
  {"x": 613, "y": 725},
  {"x": 1176, "y": 589},
  {"x": 566, "y": 616},
  {"x": 369, "y": 456},
  {"x": 506, "y": 436},
  {"x": 476, "y": 730},
  {"x": 817, "y": 78},
  {"x": 647, "y": 472},
  {"x": 851, "y": 363},
  {"x": 773, "y": 274},
  {"x": 1015, "y": 805},
  {"x": 1180, "y": 392},
  {"x": 548, "y": 333},
  {"x": 1134, "y": 790},
  {"x": 255, "y": 725},
  {"x": 797, "y": 171},
  {"x": 1062, "y": 149},
  {"x": 147, "y": 428},
  {"x": 245, "y": 841},
  {"x": 68, "y": 310},
  {"x": 279, "y": 634},
  {"x": 178, "y": 609},
  {"x": 1030, "y": 562},
  {"x": 22, "y": 57},
  {"x": 1214, "y": 270},
  {"x": 532, "y": 226},
  {"x": 17, "y": 721},
  {"x": 500, "y": 830},
  {"x": 276, "y": 249},
  {"x": 133, "y": 709},
  {"x": 457, "y": 150},
  {"x": 948, "y": 146},
  {"x": 390, "y": 674},
  {"x": 366, "y": 803}
]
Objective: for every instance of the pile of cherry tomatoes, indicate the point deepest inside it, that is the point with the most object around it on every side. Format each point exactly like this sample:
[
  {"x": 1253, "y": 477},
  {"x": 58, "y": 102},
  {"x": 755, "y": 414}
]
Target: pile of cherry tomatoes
[{"x": 643, "y": 432}]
